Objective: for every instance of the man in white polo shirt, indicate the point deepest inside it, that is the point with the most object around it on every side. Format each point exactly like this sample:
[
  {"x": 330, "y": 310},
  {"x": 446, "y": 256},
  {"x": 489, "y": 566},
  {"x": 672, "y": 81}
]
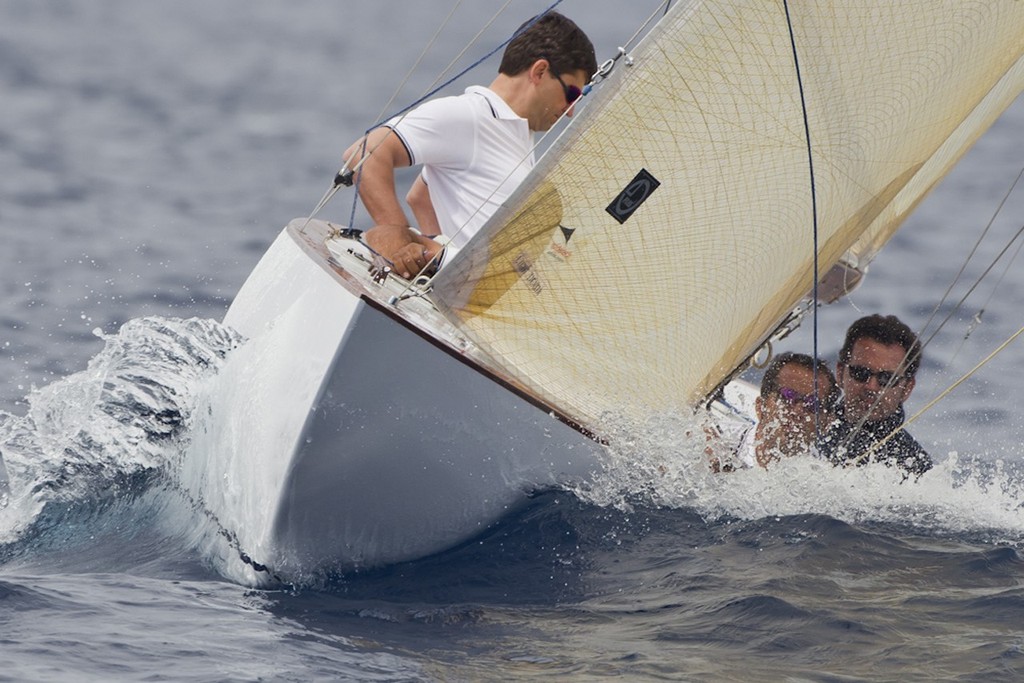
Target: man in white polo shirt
[{"x": 475, "y": 148}]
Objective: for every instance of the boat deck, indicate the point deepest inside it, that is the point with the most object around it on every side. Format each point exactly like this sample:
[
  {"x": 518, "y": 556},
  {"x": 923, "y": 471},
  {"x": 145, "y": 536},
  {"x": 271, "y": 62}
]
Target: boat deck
[{"x": 348, "y": 260}]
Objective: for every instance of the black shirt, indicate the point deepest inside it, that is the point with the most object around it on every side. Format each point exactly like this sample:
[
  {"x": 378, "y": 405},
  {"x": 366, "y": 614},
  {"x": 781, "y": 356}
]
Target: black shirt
[{"x": 842, "y": 445}]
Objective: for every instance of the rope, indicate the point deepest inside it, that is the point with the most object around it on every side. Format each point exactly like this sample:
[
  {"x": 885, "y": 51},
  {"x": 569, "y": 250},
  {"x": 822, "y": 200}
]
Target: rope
[
  {"x": 423, "y": 53},
  {"x": 970, "y": 256},
  {"x": 814, "y": 205},
  {"x": 339, "y": 178},
  {"x": 976, "y": 320},
  {"x": 469, "y": 68},
  {"x": 945, "y": 392},
  {"x": 959, "y": 305}
]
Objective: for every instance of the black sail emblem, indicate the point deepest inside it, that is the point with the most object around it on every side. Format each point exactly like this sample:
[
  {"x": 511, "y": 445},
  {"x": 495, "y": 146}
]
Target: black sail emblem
[{"x": 636, "y": 193}]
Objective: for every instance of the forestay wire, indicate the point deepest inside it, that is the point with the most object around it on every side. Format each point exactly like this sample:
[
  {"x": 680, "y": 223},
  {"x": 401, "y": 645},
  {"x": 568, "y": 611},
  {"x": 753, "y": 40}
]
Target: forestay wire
[
  {"x": 977, "y": 318},
  {"x": 423, "y": 54}
]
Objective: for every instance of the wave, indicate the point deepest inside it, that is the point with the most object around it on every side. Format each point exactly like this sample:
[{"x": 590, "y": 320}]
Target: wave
[
  {"x": 663, "y": 465},
  {"x": 99, "y": 439}
]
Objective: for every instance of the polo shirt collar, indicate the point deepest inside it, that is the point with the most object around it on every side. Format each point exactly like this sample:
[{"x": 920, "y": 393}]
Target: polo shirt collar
[{"x": 498, "y": 106}]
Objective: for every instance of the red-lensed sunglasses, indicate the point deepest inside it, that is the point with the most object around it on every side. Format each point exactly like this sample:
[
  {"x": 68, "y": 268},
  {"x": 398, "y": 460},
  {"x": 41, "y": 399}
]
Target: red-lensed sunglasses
[
  {"x": 572, "y": 93},
  {"x": 794, "y": 397}
]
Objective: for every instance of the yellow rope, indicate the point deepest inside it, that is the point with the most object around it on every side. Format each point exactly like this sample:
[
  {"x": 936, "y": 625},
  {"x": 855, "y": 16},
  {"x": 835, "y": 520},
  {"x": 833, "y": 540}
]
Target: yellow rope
[{"x": 946, "y": 392}]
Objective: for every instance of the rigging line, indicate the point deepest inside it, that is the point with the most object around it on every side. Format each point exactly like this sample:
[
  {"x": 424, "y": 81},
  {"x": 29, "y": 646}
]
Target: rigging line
[
  {"x": 447, "y": 69},
  {"x": 960, "y": 304},
  {"x": 970, "y": 256},
  {"x": 470, "y": 44},
  {"x": 977, "y": 316},
  {"x": 469, "y": 68},
  {"x": 976, "y": 284},
  {"x": 945, "y": 392},
  {"x": 814, "y": 203},
  {"x": 907, "y": 357},
  {"x": 642, "y": 29},
  {"x": 926, "y": 342},
  {"x": 437, "y": 88},
  {"x": 419, "y": 60},
  {"x": 331, "y": 191}
]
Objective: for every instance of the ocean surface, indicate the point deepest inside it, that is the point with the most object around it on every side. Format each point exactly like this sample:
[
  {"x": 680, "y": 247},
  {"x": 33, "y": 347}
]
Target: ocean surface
[{"x": 149, "y": 154}]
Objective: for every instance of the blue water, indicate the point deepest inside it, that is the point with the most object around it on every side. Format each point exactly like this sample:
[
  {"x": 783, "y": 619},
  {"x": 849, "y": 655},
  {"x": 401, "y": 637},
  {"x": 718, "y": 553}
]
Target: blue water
[{"x": 151, "y": 151}]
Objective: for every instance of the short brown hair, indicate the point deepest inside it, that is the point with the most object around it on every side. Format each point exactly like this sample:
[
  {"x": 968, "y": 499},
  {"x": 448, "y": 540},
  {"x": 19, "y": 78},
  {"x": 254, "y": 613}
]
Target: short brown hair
[
  {"x": 770, "y": 380},
  {"x": 888, "y": 330},
  {"x": 554, "y": 37}
]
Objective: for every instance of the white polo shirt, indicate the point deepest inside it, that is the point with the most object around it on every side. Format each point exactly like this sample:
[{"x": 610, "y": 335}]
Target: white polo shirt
[{"x": 474, "y": 150}]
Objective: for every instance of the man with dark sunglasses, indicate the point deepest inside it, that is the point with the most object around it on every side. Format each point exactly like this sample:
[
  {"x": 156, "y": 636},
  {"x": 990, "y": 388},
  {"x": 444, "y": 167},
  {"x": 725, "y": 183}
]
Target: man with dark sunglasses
[
  {"x": 875, "y": 370},
  {"x": 474, "y": 148}
]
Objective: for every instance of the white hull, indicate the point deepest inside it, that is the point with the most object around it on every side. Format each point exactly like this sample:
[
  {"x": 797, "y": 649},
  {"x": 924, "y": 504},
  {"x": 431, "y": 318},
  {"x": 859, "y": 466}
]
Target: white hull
[{"x": 349, "y": 433}]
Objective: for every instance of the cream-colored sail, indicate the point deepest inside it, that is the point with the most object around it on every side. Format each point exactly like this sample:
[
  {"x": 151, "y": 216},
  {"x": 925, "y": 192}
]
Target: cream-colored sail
[{"x": 670, "y": 228}]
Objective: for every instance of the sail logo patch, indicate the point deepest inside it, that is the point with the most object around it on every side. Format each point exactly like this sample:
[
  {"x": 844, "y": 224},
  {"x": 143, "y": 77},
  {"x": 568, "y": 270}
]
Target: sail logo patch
[
  {"x": 558, "y": 251},
  {"x": 636, "y": 193}
]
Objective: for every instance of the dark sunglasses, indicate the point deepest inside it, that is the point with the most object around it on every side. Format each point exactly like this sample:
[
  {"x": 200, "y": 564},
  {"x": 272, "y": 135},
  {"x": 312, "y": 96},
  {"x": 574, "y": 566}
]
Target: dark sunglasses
[
  {"x": 862, "y": 375},
  {"x": 572, "y": 93},
  {"x": 794, "y": 397}
]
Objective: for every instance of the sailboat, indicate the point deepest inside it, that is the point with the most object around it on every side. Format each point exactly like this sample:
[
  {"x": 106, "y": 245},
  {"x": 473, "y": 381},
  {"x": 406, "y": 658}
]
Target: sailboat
[{"x": 729, "y": 167}]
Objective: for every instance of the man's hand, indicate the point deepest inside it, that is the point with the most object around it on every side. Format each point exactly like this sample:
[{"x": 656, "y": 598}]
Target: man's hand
[{"x": 408, "y": 252}]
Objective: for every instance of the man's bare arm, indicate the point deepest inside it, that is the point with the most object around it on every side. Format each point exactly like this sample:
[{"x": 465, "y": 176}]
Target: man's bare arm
[{"x": 390, "y": 236}]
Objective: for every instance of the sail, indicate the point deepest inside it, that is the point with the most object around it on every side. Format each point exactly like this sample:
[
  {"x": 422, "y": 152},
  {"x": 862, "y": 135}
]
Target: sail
[{"x": 671, "y": 226}]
